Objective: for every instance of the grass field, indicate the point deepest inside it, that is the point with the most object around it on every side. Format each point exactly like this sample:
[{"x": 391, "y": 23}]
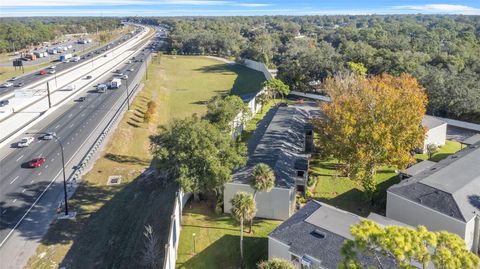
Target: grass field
[
  {"x": 448, "y": 149},
  {"x": 217, "y": 240},
  {"x": 110, "y": 222}
]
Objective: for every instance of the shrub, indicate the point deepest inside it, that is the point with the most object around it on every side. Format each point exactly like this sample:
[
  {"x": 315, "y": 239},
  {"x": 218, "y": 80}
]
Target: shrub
[
  {"x": 312, "y": 181},
  {"x": 275, "y": 263}
]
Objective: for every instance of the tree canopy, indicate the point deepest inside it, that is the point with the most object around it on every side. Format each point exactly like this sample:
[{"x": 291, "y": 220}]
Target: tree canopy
[
  {"x": 407, "y": 246},
  {"x": 223, "y": 111},
  {"x": 197, "y": 154},
  {"x": 371, "y": 122}
]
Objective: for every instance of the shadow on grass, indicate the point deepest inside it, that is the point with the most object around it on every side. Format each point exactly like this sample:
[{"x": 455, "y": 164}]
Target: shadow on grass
[
  {"x": 126, "y": 159},
  {"x": 224, "y": 253}
]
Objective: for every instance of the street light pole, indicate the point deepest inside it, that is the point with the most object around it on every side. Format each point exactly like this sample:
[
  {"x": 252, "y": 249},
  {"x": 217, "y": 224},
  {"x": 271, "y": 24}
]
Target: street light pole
[
  {"x": 64, "y": 178},
  {"x": 128, "y": 95}
]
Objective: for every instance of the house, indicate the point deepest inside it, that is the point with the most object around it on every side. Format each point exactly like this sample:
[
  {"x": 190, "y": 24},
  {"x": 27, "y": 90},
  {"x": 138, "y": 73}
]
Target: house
[
  {"x": 436, "y": 131},
  {"x": 314, "y": 235},
  {"x": 445, "y": 196},
  {"x": 285, "y": 146}
]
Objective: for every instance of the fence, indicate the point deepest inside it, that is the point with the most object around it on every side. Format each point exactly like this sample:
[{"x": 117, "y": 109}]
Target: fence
[{"x": 171, "y": 247}]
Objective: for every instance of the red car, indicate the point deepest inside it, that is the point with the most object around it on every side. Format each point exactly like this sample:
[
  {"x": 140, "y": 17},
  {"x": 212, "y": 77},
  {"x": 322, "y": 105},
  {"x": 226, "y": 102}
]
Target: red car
[
  {"x": 43, "y": 72},
  {"x": 36, "y": 162}
]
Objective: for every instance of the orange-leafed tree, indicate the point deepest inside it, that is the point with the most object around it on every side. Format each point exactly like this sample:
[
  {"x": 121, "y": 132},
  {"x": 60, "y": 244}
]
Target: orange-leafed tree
[{"x": 371, "y": 122}]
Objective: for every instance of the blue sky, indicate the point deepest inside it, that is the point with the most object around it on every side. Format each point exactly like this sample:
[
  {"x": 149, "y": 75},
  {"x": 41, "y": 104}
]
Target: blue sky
[{"x": 232, "y": 7}]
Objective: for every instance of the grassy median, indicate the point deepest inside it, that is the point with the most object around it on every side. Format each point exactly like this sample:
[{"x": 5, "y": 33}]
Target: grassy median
[{"x": 108, "y": 230}]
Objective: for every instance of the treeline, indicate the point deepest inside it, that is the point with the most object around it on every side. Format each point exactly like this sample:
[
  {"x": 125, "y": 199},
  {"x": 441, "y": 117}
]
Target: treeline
[
  {"x": 441, "y": 51},
  {"x": 19, "y": 33}
]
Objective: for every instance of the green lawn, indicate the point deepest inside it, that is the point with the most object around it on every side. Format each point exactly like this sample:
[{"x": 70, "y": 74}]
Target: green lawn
[
  {"x": 108, "y": 232},
  {"x": 217, "y": 240},
  {"x": 338, "y": 190},
  {"x": 449, "y": 148}
]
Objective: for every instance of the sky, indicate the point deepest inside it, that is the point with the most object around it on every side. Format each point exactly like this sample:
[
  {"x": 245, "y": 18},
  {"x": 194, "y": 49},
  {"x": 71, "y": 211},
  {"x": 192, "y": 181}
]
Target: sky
[{"x": 9, "y": 8}]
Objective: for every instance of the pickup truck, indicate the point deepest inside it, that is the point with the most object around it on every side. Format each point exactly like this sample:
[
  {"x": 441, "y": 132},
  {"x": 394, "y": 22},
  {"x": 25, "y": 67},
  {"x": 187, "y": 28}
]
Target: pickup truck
[{"x": 25, "y": 142}]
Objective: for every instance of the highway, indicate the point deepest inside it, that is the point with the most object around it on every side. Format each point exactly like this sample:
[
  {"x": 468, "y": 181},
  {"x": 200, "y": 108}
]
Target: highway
[
  {"x": 75, "y": 124},
  {"x": 28, "y": 79}
]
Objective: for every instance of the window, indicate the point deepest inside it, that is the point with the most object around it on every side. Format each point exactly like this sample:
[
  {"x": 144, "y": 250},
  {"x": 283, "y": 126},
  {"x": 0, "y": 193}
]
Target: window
[{"x": 300, "y": 173}]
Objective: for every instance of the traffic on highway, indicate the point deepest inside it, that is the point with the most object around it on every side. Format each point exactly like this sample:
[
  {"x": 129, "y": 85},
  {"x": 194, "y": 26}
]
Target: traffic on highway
[{"x": 30, "y": 164}]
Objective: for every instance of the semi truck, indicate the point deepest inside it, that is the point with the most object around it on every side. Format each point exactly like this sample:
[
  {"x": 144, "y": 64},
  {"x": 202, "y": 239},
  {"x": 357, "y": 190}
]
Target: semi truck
[
  {"x": 115, "y": 83},
  {"x": 66, "y": 57}
]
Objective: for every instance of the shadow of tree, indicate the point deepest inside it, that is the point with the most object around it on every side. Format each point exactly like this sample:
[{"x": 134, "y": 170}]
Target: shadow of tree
[{"x": 126, "y": 159}]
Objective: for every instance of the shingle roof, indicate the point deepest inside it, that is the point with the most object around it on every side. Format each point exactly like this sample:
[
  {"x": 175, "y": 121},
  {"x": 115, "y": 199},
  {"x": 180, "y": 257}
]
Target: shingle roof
[
  {"x": 282, "y": 145},
  {"x": 450, "y": 187},
  {"x": 301, "y": 231}
]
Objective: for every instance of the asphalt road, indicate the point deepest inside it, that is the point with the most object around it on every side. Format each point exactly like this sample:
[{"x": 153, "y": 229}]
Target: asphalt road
[
  {"x": 19, "y": 186},
  {"x": 30, "y": 78}
]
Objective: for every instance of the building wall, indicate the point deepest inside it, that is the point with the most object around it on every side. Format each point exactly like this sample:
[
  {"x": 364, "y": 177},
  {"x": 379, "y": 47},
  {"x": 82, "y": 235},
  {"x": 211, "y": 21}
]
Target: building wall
[
  {"x": 275, "y": 204},
  {"x": 469, "y": 232},
  {"x": 414, "y": 214},
  {"x": 436, "y": 136},
  {"x": 277, "y": 249}
]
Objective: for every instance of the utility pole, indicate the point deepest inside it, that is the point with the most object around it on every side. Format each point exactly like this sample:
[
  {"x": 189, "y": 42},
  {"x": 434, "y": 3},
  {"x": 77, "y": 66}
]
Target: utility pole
[{"x": 48, "y": 93}]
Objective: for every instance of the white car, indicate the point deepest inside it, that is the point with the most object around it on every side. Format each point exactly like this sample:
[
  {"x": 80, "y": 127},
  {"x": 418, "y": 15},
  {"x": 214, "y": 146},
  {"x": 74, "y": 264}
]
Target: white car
[
  {"x": 52, "y": 71},
  {"x": 49, "y": 136},
  {"x": 13, "y": 79},
  {"x": 124, "y": 77},
  {"x": 131, "y": 69},
  {"x": 25, "y": 141},
  {"x": 52, "y": 67},
  {"x": 7, "y": 84}
]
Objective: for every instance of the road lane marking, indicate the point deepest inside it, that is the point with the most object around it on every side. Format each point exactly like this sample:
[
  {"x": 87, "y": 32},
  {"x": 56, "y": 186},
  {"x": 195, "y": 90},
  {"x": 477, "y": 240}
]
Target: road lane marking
[
  {"x": 14, "y": 179},
  {"x": 14, "y": 200},
  {"x": 31, "y": 181},
  {"x": 40, "y": 173},
  {"x": 4, "y": 211},
  {"x": 53, "y": 160},
  {"x": 19, "y": 158},
  {"x": 57, "y": 126},
  {"x": 24, "y": 190},
  {"x": 70, "y": 115}
]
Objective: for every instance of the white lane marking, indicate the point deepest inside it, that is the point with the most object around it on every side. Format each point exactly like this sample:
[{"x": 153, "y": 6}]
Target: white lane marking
[
  {"x": 19, "y": 158},
  {"x": 4, "y": 211},
  {"x": 58, "y": 153},
  {"x": 68, "y": 143},
  {"x": 41, "y": 154},
  {"x": 24, "y": 190},
  {"x": 53, "y": 160},
  {"x": 14, "y": 200},
  {"x": 40, "y": 173},
  {"x": 14, "y": 179},
  {"x": 71, "y": 125},
  {"x": 46, "y": 166},
  {"x": 70, "y": 115},
  {"x": 31, "y": 181},
  {"x": 57, "y": 126}
]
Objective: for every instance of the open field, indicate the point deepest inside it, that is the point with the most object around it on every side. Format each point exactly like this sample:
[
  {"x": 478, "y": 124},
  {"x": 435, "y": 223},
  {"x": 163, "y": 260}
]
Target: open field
[
  {"x": 449, "y": 148},
  {"x": 217, "y": 240},
  {"x": 108, "y": 230}
]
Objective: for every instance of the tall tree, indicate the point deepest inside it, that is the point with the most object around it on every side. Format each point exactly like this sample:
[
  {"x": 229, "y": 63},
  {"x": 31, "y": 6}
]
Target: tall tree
[
  {"x": 262, "y": 179},
  {"x": 243, "y": 209},
  {"x": 407, "y": 246},
  {"x": 371, "y": 122},
  {"x": 275, "y": 86},
  {"x": 227, "y": 112},
  {"x": 196, "y": 154}
]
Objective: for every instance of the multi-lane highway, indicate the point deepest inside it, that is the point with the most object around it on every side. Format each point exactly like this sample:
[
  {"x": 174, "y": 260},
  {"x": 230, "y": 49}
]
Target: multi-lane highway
[
  {"x": 76, "y": 125},
  {"x": 28, "y": 79}
]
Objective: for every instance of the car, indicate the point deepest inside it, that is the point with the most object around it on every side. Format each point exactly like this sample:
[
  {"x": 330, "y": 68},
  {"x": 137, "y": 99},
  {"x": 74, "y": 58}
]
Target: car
[
  {"x": 120, "y": 74},
  {"x": 105, "y": 55},
  {"x": 52, "y": 71},
  {"x": 49, "y": 136},
  {"x": 53, "y": 67},
  {"x": 37, "y": 162},
  {"x": 129, "y": 62},
  {"x": 20, "y": 84},
  {"x": 124, "y": 77},
  {"x": 24, "y": 142},
  {"x": 43, "y": 72},
  {"x": 4, "y": 103},
  {"x": 7, "y": 84},
  {"x": 81, "y": 99},
  {"x": 131, "y": 69},
  {"x": 13, "y": 79}
]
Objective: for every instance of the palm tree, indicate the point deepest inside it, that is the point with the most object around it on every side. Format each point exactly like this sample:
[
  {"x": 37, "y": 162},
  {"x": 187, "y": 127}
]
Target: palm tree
[
  {"x": 262, "y": 178},
  {"x": 243, "y": 208}
]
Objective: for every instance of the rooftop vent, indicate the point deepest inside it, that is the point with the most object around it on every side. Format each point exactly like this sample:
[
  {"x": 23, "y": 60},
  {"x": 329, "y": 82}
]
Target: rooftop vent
[{"x": 318, "y": 234}]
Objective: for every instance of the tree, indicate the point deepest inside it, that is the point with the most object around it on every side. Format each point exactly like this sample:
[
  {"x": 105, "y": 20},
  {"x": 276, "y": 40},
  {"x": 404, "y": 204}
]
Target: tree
[
  {"x": 371, "y": 122},
  {"x": 431, "y": 149},
  {"x": 243, "y": 208},
  {"x": 358, "y": 69},
  {"x": 275, "y": 263},
  {"x": 151, "y": 253},
  {"x": 262, "y": 179},
  {"x": 407, "y": 246},
  {"x": 275, "y": 86},
  {"x": 223, "y": 112},
  {"x": 262, "y": 99},
  {"x": 197, "y": 155}
]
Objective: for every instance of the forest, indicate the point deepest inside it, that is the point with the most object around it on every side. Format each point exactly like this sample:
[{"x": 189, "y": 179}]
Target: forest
[
  {"x": 441, "y": 51},
  {"x": 18, "y": 33}
]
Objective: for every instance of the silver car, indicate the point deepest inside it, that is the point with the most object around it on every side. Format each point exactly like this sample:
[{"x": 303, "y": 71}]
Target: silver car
[{"x": 49, "y": 136}]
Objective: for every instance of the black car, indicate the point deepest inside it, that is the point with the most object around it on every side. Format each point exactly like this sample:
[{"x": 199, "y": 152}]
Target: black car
[
  {"x": 4, "y": 103},
  {"x": 81, "y": 99},
  {"x": 21, "y": 84}
]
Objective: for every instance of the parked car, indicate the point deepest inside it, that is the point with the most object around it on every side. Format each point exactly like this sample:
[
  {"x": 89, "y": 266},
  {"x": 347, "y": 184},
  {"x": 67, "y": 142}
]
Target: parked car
[
  {"x": 24, "y": 142},
  {"x": 48, "y": 136},
  {"x": 43, "y": 72},
  {"x": 37, "y": 162},
  {"x": 4, "y": 103},
  {"x": 7, "y": 84},
  {"x": 21, "y": 84}
]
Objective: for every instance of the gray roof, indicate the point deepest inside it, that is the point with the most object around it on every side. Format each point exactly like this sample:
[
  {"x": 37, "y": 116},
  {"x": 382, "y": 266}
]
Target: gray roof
[
  {"x": 452, "y": 186},
  {"x": 282, "y": 145},
  {"x": 431, "y": 122},
  {"x": 418, "y": 168},
  {"x": 301, "y": 232},
  {"x": 472, "y": 139}
]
